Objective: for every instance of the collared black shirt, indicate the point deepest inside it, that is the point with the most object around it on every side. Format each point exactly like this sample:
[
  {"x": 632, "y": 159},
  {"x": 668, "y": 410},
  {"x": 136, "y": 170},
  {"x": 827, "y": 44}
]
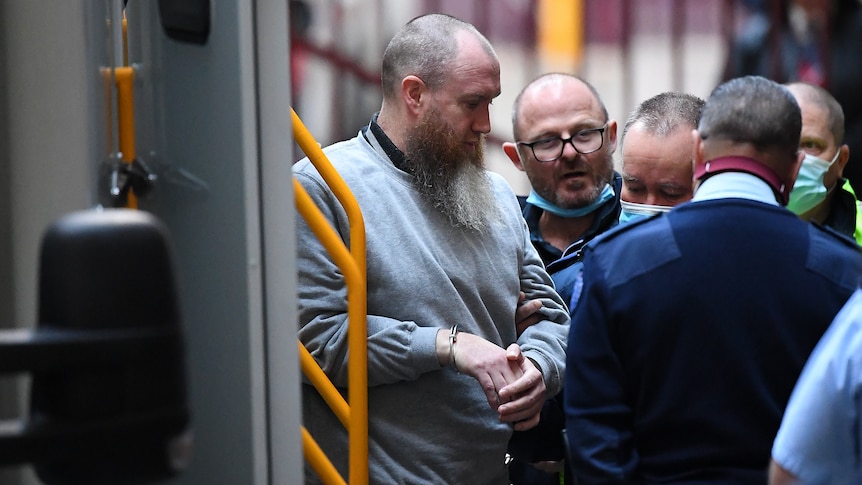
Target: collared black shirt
[{"x": 399, "y": 159}]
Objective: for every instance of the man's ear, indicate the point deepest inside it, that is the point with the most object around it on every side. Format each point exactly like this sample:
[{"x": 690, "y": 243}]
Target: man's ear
[
  {"x": 697, "y": 156},
  {"x": 697, "y": 150},
  {"x": 511, "y": 150},
  {"x": 794, "y": 170},
  {"x": 414, "y": 93},
  {"x": 612, "y": 136},
  {"x": 843, "y": 158}
]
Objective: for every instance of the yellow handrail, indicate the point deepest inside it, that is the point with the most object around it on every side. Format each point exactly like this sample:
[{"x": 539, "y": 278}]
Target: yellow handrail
[
  {"x": 336, "y": 183},
  {"x": 318, "y": 460},
  {"x": 124, "y": 77},
  {"x": 352, "y": 265},
  {"x": 324, "y": 386}
]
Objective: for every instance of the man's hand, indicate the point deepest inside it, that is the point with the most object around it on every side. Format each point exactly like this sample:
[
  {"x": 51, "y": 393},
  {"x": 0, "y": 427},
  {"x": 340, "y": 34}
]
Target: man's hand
[
  {"x": 523, "y": 398},
  {"x": 778, "y": 475},
  {"x": 482, "y": 360},
  {"x": 526, "y": 313}
]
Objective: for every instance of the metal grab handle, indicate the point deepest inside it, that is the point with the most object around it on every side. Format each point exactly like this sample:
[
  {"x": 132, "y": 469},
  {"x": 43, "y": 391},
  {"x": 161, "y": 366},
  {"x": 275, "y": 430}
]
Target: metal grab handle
[{"x": 352, "y": 265}]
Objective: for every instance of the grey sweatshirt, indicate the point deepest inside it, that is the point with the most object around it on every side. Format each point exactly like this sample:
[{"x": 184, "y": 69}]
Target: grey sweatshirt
[{"x": 427, "y": 424}]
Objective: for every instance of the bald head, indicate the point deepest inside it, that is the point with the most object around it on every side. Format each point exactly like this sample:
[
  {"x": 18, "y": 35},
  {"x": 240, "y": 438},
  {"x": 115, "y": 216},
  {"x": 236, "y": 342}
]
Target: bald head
[
  {"x": 564, "y": 117},
  {"x": 560, "y": 87},
  {"x": 817, "y": 96},
  {"x": 425, "y": 47}
]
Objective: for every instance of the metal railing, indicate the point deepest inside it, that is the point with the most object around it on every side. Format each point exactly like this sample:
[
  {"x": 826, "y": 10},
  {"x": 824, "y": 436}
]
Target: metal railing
[{"x": 354, "y": 416}]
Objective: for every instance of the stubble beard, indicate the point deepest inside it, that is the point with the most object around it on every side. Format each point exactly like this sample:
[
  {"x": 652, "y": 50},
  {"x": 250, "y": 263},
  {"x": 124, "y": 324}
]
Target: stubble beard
[
  {"x": 563, "y": 200},
  {"x": 452, "y": 178}
]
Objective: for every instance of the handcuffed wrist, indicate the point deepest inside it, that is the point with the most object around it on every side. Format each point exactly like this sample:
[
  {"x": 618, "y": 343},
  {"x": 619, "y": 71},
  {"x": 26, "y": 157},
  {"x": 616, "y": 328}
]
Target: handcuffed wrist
[{"x": 453, "y": 338}]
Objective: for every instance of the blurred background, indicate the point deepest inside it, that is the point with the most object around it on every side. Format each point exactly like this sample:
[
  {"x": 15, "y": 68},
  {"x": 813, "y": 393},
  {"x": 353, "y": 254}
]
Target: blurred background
[
  {"x": 629, "y": 50},
  {"x": 211, "y": 120}
]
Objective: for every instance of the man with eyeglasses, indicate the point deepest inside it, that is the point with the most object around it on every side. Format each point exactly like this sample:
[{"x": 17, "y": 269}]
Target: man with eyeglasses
[{"x": 564, "y": 143}]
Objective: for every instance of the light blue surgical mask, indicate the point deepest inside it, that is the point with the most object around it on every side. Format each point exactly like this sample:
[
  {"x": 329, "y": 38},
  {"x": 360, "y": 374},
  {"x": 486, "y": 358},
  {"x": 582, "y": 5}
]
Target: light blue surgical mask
[
  {"x": 809, "y": 191},
  {"x": 537, "y": 200},
  {"x": 631, "y": 211}
]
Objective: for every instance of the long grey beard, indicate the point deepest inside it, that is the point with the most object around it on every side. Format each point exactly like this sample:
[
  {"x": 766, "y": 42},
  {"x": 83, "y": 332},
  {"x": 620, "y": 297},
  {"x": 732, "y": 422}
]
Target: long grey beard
[{"x": 465, "y": 195}]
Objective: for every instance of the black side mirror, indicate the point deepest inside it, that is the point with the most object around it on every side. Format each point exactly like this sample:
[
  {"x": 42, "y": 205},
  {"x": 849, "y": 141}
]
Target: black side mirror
[{"x": 108, "y": 399}]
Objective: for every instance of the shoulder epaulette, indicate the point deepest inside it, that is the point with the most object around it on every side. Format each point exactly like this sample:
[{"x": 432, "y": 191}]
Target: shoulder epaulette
[
  {"x": 843, "y": 238},
  {"x": 572, "y": 255},
  {"x": 621, "y": 229}
]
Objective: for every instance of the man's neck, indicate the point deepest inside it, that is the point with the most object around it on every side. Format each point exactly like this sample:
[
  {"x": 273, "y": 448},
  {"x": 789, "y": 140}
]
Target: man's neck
[
  {"x": 561, "y": 232},
  {"x": 392, "y": 126}
]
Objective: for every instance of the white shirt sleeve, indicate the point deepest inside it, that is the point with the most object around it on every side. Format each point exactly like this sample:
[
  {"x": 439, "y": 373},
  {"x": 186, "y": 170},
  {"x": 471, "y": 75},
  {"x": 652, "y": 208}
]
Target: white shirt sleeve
[{"x": 820, "y": 436}]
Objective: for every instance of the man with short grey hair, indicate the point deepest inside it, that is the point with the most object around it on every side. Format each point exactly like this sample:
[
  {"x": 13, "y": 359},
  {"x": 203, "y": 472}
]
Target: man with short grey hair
[
  {"x": 692, "y": 327},
  {"x": 656, "y": 155}
]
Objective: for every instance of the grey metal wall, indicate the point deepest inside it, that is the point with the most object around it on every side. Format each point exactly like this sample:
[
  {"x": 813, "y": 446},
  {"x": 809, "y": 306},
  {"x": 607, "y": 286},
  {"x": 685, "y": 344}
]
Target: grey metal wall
[
  {"x": 50, "y": 123},
  {"x": 214, "y": 116}
]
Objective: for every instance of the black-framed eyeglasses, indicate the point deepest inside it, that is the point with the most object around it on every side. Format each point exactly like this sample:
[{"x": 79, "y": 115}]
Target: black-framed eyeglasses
[{"x": 584, "y": 142}]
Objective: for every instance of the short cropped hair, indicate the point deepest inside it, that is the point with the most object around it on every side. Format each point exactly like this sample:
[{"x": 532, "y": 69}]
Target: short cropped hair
[
  {"x": 424, "y": 47},
  {"x": 834, "y": 111},
  {"x": 755, "y": 110},
  {"x": 664, "y": 113}
]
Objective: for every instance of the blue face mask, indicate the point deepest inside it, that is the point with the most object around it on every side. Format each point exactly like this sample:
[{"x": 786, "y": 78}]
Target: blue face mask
[
  {"x": 809, "y": 191},
  {"x": 631, "y": 211},
  {"x": 537, "y": 200}
]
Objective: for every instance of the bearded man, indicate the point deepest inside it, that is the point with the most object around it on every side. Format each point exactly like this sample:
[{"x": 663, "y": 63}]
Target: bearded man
[{"x": 448, "y": 254}]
